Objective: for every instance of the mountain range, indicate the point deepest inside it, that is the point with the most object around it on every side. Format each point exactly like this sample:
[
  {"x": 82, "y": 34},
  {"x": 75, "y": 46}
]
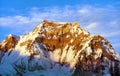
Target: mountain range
[{"x": 58, "y": 49}]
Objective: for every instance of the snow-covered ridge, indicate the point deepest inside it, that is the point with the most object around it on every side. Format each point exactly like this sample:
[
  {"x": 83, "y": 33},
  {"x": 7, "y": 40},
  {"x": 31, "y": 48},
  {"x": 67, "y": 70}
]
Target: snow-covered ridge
[{"x": 58, "y": 49}]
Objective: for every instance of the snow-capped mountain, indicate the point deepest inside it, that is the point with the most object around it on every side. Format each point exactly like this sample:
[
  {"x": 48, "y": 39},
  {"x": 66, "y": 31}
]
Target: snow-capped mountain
[{"x": 58, "y": 49}]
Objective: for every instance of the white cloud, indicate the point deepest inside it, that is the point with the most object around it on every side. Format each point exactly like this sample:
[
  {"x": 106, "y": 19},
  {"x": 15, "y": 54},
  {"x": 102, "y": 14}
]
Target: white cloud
[
  {"x": 92, "y": 25},
  {"x": 104, "y": 21},
  {"x": 111, "y": 34},
  {"x": 12, "y": 21}
]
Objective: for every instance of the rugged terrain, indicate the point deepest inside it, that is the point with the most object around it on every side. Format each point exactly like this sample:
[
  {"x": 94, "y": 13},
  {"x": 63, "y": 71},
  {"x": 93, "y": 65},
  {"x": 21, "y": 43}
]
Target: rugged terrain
[{"x": 58, "y": 49}]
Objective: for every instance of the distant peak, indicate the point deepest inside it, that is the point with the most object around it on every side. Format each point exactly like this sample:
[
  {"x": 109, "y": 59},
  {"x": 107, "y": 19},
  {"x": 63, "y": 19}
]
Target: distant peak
[
  {"x": 11, "y": 35},
  {"x": 14, "y": 36}
]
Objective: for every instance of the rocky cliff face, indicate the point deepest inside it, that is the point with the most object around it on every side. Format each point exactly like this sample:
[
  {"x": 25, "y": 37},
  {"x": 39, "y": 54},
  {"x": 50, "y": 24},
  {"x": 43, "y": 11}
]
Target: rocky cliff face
[{"x": 58, "y": 49}]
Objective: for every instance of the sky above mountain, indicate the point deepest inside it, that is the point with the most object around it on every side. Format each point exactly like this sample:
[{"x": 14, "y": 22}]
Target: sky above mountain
[{"x": 96, "y": 16}]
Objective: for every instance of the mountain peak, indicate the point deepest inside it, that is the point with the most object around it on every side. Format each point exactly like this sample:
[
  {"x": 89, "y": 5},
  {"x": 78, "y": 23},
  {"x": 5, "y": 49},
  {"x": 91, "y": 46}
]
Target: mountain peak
[
  {"x": 50, "y": 28},
  {"x": 9, "y": 43}
]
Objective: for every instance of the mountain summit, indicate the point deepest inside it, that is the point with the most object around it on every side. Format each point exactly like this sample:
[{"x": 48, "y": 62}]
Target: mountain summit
[{"x": 58, "y": 49}]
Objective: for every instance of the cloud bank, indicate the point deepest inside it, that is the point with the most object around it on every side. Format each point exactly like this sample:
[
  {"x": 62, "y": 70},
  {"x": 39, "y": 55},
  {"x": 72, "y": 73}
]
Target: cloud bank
[{"x": 97, "y": 20}]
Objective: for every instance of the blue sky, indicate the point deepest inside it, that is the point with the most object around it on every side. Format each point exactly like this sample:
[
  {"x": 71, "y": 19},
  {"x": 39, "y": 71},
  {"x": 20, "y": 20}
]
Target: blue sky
[{"x": 97, "y": 16}]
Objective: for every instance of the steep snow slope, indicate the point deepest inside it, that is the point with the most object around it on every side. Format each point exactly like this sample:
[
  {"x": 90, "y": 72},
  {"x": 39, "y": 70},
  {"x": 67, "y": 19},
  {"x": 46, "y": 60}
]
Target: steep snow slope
[{"x": 58, "y": 49}]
